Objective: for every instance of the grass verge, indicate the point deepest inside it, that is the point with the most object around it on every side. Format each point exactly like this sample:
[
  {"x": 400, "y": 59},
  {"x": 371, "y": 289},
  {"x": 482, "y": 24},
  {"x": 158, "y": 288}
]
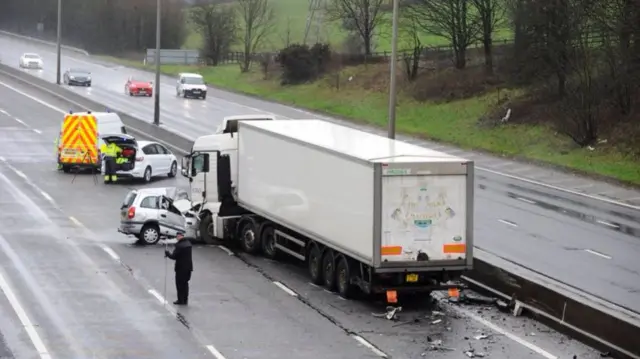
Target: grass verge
[{"x": 454, "y": 122}]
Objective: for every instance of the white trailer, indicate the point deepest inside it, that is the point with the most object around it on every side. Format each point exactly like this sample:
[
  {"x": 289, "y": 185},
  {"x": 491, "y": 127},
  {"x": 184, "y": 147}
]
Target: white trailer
[{"x": 362, "y": 210}]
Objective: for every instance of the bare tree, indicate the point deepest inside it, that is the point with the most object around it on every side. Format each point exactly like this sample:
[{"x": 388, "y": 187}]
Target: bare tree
[
  {"x": 363, "y": 16},
  {"x": 491, "y": 14},
  {"x": 217, "y": 25},
  {"x": 258, "y": 20},
  {"x": 410, "y": 32},
  {"x": 286, "y": 37},
  {"x": 454, "y": 20}
]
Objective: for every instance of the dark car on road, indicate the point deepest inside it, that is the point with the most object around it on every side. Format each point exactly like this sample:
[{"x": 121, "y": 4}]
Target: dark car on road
[{"x": 77, "y": 77}]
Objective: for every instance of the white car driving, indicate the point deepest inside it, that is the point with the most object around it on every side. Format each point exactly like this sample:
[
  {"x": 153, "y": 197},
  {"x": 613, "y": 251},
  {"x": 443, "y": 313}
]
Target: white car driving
[
  {"x": 152, "y": 160},
  {"x": 31, "y": 61},
  {"x": 191, "y": 85}
]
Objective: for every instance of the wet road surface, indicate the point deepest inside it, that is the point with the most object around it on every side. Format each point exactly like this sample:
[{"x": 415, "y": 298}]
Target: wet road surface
[
  {"x": 582, "y": 242},
  {"x": 88, "y": 301}
]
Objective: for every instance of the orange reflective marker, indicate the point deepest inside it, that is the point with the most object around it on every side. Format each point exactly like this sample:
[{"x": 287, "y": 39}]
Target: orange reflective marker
[
  {"x": 392, "y": 296},
  {"x": 454, "y": 292}
]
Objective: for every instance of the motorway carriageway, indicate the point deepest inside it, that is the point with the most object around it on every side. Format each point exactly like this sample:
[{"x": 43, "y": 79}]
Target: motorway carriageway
[
  {"x": 588, "y": 244},
  {"x": 75, "y": 288}
]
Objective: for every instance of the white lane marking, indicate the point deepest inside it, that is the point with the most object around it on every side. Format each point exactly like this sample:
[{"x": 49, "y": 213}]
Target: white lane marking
[
  {"x": 509, "y": 223},
  {"x": 229, "y": 252},
  {"x": 111, "y": 253},
  {"x": 597, "y": 253},
  {"x": 76, "y": 221},
  {"x": 215, "y": 352},
  {"x": 504, "y": 332},
  {"x": 37, "y": 131},
  {"x": 19, "y": 173},
  {"x": 33, "y": 98},
  {"x": 24, "y": 319},
  {"x": 47, "y": 197},
  {"x": 154, "y": 293},
  {"x": 608, "y": 224},
  {"x": 4, "y": 112},
  {"x": 371, "y": 347},
  {"x": 285, "y": 289},
  {"x": 526, "y": 200},
  {"x": 20, "y": 121}
]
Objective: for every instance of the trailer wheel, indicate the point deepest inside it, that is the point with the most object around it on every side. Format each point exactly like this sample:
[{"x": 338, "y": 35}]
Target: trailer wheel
[
  {"x": 315, "y": 264},
  {"x": 269, "y": 243},
  {"x": 206, "y": 230},
  {"x": 343, "y": 278},
  {"x": 329, "y": 270},
  {"x": 249, "y": 240}
]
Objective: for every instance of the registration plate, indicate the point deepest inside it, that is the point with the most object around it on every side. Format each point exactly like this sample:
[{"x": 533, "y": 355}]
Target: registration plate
[
  {"x": 69, "y": 151},
  {"x": 412, "y": 278}
]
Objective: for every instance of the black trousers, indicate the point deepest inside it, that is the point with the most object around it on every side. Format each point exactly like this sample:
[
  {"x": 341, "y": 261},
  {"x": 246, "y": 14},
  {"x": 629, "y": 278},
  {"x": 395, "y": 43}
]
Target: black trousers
[
  {"x": 182, "y": 286},
  {"x": 109, "y": 166}
]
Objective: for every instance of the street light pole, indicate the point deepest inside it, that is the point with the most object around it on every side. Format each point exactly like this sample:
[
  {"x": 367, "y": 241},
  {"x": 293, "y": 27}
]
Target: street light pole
[
  {"x": 392, "y": 70},
  {"x": 59, "y": 41},
  {"x": 156, "y": 105}
]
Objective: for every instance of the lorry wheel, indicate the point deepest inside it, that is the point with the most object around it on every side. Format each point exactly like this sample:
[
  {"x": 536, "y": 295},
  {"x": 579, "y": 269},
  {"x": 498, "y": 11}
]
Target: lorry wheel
[
  {"x": 269, "y": 243},
  {"x": 249, "y": 241},
  {"x": 66, "y": 169},
  {"x": 329, "y": 270},
  {"x": 343, "y": 278},
  {"x": 315, "y": 265},
  {"x": 206, "y": 230}
]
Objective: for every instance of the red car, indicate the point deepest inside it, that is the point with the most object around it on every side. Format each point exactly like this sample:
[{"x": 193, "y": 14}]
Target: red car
[{"x": 135, "y": 87}]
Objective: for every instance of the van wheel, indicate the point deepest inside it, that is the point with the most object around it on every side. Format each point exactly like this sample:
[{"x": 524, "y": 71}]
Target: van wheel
[
  {"x": 249, "y": 240},
  {"x": 269, "y": 243},
  {"x": 315, "y": 264},
  {"x": 147, "y": 175},
  {"x": 174, "y": 169},
  {"x": 66, "y": 169},
  {"x": 329, "y": 270},
  {"x": 150, "y": 234},
  {"x": 343, "y": 278}
]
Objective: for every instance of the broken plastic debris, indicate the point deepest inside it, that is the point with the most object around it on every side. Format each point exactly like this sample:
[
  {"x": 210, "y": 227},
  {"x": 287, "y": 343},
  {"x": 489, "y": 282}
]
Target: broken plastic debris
[
  {"x": 436, "y": 321},
  {"x": 390, "y": 314},
  {"x": 481, "y": 336}
]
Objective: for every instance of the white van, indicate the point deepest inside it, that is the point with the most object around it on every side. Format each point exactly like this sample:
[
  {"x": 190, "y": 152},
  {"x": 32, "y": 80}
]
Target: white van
[{"x": 80, "y": 138}]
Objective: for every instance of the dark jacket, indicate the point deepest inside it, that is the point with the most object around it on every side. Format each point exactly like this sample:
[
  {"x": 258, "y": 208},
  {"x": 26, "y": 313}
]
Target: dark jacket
[{"x": 182, "y": 255}]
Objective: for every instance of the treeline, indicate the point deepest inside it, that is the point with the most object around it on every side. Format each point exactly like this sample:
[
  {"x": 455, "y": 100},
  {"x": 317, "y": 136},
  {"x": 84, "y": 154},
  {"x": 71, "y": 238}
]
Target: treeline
[{"x": 100, "y": 26}]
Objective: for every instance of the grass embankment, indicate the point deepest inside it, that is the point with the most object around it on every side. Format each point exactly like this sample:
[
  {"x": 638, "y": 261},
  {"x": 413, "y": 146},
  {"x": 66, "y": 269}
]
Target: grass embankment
[
  {"x": 453, "y": 122},
  {"x": 291, "y": 20}
]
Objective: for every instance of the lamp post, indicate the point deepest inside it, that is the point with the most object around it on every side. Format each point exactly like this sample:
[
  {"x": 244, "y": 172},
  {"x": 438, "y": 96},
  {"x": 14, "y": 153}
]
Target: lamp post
[
  {"x": 392, "y": 70},
  {"x": 59, "y": 41},
  {"x": 156, "y": 105}
]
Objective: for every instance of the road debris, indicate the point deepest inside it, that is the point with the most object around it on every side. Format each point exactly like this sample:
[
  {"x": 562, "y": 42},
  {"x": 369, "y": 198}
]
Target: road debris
[
  {"x": 436, "y": 345},
  {"x": 481, "y": 337},
  {"x": 391, "y": 313}
]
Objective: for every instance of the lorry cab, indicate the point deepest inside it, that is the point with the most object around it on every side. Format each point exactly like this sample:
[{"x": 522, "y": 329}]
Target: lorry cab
[
  {"x": 223, "y": 140},
  {"x": 78, "y": 143}
]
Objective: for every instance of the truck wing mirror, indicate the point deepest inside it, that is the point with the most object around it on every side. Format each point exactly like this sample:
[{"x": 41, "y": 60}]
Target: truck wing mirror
[{"x": 185, "y": 166}]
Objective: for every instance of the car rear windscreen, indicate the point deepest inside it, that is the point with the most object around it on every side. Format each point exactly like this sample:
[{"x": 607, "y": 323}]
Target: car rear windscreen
[{"x": 129, "y": 199}]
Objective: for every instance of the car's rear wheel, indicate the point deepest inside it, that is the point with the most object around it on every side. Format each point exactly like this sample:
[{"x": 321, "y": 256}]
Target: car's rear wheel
[
  {"x": 150, "y": 234},
  {"x": 174, "y": 169},
  {"x": 147, "y": 174}
]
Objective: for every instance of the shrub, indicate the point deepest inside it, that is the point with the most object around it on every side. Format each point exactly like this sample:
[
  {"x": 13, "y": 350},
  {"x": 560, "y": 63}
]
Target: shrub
[{"x": 302, "y": 64}]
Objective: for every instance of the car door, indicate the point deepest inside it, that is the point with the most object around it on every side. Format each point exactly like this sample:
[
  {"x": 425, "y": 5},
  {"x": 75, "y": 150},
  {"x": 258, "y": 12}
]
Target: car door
[
  {"x": 171, "y": 220},
  {"x": 151, "y": 156},
  {"x": 164, "y": 156}
]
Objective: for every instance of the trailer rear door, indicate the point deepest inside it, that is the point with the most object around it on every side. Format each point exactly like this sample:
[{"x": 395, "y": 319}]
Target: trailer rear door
[{"x": 423, "y": 218}]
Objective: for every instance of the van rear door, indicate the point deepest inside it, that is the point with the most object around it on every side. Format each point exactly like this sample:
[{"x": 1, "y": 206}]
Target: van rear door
[{"x": 78, "y": 140}]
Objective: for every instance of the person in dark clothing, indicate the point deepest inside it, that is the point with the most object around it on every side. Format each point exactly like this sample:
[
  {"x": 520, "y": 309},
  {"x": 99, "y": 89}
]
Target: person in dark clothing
[{"x": 183, "y": 268}]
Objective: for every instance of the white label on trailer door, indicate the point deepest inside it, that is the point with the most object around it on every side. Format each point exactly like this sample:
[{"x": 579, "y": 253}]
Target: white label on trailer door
[{"x": 396, "y": 171}]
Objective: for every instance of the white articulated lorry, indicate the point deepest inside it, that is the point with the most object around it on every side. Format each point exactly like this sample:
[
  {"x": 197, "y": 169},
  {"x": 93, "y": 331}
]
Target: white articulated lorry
[{"x": 362, "y": 210}]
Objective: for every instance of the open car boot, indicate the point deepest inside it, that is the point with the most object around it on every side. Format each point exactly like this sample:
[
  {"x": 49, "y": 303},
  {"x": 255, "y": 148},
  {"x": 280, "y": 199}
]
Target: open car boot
[{"x": 129, "y": 147}]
